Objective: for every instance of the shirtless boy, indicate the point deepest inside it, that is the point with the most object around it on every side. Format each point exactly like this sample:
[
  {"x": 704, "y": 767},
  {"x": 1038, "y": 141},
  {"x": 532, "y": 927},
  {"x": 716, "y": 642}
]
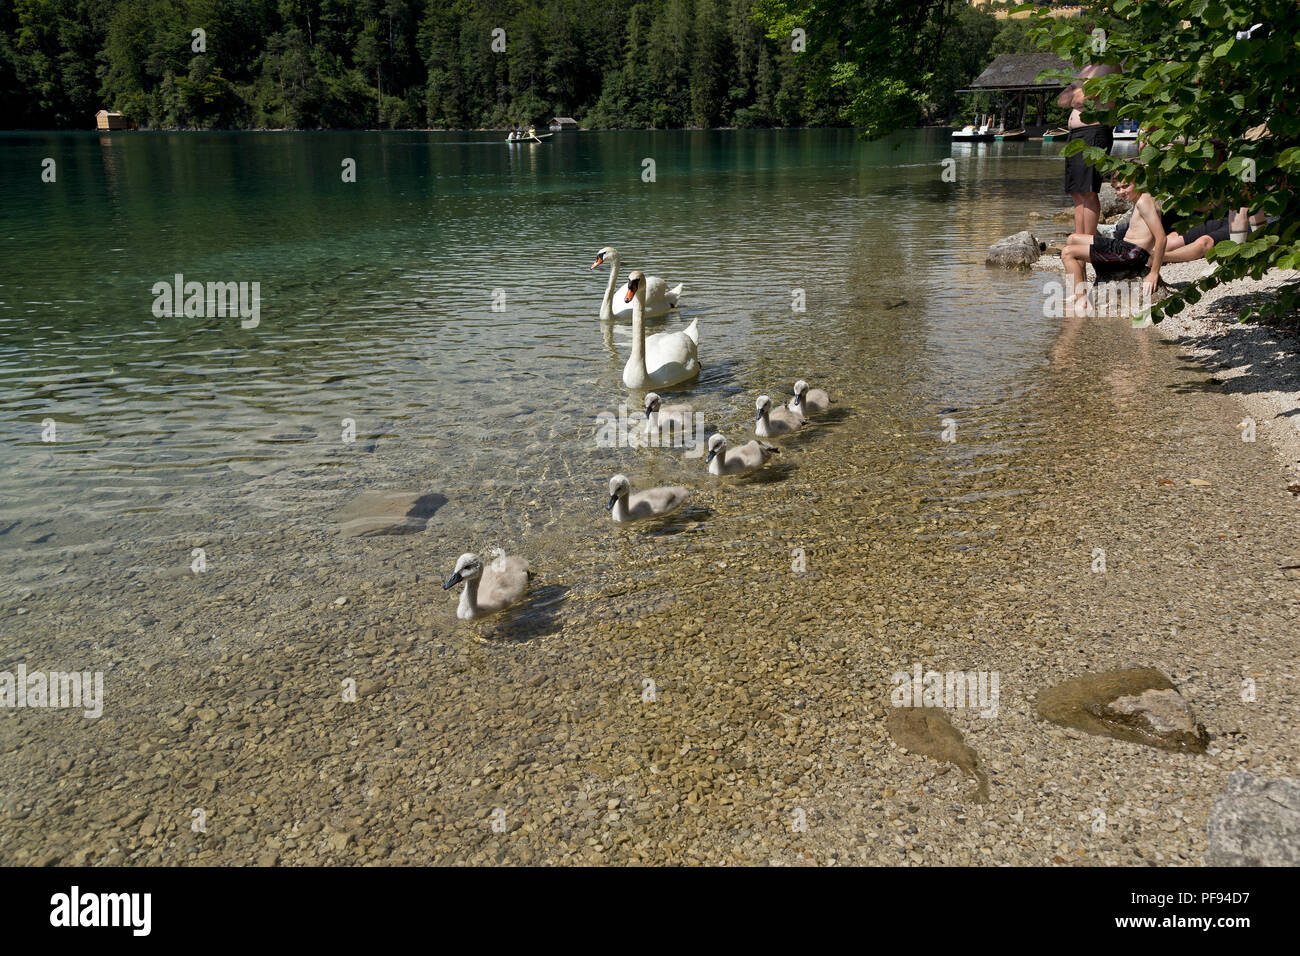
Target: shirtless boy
[{"x": 1143, "y": 243}]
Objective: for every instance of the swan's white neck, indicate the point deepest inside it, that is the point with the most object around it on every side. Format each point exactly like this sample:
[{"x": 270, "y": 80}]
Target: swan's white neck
[
  {"x": 620, "y": 508},
  {"x": 637, "y": 359},
  {"x": 607, "y": 304},
  {"x": 468, "y": 607}
]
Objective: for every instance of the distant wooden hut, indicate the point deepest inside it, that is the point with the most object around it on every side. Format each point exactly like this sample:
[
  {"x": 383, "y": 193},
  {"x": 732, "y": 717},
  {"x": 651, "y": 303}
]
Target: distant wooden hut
[
  {"x": 1012, "y": 80},
  {"x": 105, "y": 119},
  {"x": 563, "y": 122}
]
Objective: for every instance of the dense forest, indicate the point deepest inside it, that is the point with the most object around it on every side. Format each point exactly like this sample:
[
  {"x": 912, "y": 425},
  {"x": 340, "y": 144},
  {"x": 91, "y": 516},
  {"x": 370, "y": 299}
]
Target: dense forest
[{"x": 450, "y": 63}]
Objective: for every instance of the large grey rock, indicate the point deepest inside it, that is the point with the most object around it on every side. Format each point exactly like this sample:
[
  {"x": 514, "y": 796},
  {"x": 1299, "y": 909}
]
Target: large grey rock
[
  {"x": 1138, "y": 705},
  {"x": 1111, "y": 204},
  {"x": 388, "y": 512},
  {"x": 1255, "y": 822},
  {"x": 1014, "y": 252}
]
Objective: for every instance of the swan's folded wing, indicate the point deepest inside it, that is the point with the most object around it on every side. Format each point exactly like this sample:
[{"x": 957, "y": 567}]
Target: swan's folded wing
[
  {"x": 675, "y": 497},
  {"x": 655, "y": 288},
  {"x": 669, "y": 348},
  {"x": 504, "y": 582}
]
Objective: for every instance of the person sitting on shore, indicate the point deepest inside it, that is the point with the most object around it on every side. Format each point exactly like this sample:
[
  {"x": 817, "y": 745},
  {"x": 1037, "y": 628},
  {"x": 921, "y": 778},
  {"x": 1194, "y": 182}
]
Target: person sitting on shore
[
  {"x": 1196, "y": 241},
  {"x": 1192, "y": 243},
  {"x": 1143, "y": 243},
  {"x": 1199, "y": 240}
]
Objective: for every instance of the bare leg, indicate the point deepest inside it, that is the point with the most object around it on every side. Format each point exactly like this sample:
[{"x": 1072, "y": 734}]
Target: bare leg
[
  {"x": 1190, "y": 252},
  {"x": 1239, "y": 224},
  {"x": 1073, "y": 256},
  {"x": 1077, "y": 199},
  {"x": 1087, "y": 210},
  {"x": 1173, "y": 241}
]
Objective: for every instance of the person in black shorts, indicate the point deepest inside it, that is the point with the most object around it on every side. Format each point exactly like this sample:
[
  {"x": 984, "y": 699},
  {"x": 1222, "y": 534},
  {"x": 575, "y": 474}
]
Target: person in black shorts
[
  {"x": 1197, "y": 241},
  {"x": 1110, "y": 256},
  {"x": 1082, "y": 180}
]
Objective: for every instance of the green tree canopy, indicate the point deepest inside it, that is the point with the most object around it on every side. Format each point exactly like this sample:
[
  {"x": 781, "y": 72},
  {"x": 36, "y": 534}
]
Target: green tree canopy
[
  {"x": 1214, "y": 85},
  {"x": 456, "y": 63}
]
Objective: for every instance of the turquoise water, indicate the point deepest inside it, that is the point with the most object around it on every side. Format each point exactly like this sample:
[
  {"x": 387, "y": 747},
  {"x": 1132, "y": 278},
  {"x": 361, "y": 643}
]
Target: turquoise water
[{"x": 377, "y": 307}]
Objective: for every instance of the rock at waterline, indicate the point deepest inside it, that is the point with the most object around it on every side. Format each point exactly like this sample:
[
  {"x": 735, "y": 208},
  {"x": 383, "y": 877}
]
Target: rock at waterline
[
  {"x": 1138, "y": 705},
  {"x": 374, "y": 513},
  {"x": 1255, "y": 822},
  {"x": 1014, "y": 252},
  {"x": 928, "y": 731}
]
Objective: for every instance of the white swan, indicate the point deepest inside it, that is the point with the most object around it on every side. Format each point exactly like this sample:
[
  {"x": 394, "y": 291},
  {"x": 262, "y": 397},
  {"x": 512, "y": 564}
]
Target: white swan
[
  {"x": 659, "y": 299},
  {"x": 663, "y": 359},
  {"x": 488, "y": 590},
  {"x": 774, "y": 421},
  {"x": 651, "y": 503},
  {"x": 808, "y": 401},
  {"x": 725, "y": 460}
]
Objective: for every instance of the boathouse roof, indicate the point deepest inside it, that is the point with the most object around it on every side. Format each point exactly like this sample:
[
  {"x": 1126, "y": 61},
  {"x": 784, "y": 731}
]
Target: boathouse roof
[{"x": 1019, "y": 71}]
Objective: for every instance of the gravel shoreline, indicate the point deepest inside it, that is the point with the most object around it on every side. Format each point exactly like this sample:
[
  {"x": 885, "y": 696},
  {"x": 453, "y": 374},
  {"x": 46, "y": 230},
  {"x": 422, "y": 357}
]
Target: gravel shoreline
[
  {"x": 764, "y": 738},
  {"x": 1257, "y": 363}
]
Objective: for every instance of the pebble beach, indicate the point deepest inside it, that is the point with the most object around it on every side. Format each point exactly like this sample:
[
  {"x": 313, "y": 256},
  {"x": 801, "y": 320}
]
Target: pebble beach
[
  {"x": 665, "y": 720},
  {"x": 1048, "y": 504}
]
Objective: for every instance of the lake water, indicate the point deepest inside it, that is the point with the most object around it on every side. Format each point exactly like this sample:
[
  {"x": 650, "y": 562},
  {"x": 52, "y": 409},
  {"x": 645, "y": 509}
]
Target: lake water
[
  {"x": 377, "y": 307},
  {"x": 769, "y": 618}
]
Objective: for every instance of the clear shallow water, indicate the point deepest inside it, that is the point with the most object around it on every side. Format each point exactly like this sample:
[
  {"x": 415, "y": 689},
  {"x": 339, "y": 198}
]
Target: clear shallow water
[{"x": 377, "y": 307}]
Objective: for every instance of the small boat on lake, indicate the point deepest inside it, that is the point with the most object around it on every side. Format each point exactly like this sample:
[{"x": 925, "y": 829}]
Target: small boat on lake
[
  {"x": 972, "y": 133},
  {"x": 1012, "y": 134},
  {"x": 1059, "y": 133},
  {"x": 1127, "y": 129},
  {"x": 525, "y": 136}
]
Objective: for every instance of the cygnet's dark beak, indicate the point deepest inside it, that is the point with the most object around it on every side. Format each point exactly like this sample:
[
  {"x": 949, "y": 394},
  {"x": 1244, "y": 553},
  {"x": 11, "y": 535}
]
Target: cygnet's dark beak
[{"x": 452, "y": 581}]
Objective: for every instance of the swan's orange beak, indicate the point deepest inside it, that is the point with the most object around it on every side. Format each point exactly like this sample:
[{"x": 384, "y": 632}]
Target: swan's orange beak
[
  {"x": 599, "y": 260},
  {"x": 631, "y": 290}
]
